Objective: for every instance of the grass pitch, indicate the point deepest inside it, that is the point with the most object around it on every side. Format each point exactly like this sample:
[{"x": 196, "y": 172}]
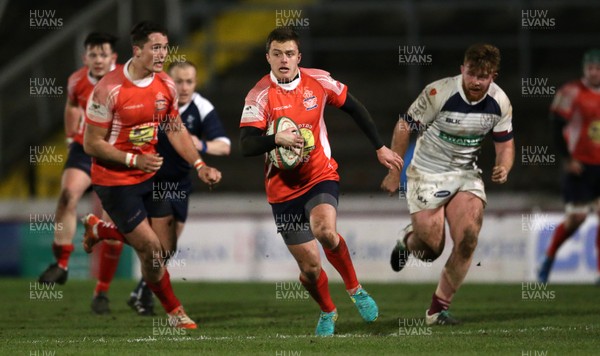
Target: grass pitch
[{"x": 276, "y": 319}]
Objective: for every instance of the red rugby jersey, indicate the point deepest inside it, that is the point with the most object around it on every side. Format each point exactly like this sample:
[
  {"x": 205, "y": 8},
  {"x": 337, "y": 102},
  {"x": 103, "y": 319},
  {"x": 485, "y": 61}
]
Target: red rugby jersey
[
  {"x": 580, "y": 106},
  {"x": 132, "y": 112},
  {"x": 79, "y": 88},
  {"x": 302, "y": 100}
]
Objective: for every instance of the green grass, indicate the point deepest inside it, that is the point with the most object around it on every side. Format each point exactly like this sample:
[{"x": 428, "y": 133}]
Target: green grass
[{"x": 247, "y": 318}]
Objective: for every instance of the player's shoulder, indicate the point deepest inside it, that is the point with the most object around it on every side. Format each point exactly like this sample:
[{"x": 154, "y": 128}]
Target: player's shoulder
[
  {"x": 164, "y": 77},
  {"x": 498, "y": 94},
  {"x": 79, "y": 73},
  {"x": 447, "y": 84},
  {"x": 166, "y": 80},
  {"x": 572, "y": 88},
  {"x": 324, "y": 78},
  {"x": 259, "y": 91},
  {"x": 76, "y": 79},
  {"x": 315, "y": 72},
  {"x": 203, "y": 105},
  {"x": 110, "y": 82},
  {"x": 439, "y": 91}
]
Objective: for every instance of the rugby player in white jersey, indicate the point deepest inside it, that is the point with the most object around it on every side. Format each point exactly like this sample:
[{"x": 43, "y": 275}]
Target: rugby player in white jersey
[{"x": 453, "y": 115}]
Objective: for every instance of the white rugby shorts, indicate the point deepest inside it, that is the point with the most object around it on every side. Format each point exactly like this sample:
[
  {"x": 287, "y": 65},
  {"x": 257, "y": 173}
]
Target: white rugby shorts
[{"x": 432, "y": 190}]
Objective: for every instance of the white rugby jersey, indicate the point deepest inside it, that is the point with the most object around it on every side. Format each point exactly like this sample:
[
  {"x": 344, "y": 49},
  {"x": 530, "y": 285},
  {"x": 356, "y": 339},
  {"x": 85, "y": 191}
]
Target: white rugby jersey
[{"x": 456, "y": 127}]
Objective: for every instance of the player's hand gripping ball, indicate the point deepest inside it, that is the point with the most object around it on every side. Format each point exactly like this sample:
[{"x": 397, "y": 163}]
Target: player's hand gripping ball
[{"x": 284, "y": 157}]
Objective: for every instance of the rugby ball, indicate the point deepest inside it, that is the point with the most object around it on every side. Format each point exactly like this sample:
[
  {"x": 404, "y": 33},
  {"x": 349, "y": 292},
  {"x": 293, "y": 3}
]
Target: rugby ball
[{"x": 284, "y": 157}]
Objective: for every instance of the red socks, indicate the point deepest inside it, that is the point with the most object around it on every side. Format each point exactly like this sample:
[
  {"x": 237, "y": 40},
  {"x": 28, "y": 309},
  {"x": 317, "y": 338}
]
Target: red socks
[
  {"x": 109, "y": 261},
  {"x": 108, "y": 231},
  {"x": 437, "y": 305},
  {"x": 320, "y": 292},
  {"x": 62, "y": 254},
  {"x": 164, "y": 292},
  {"x": 339, "y": 257},
  {"x": 558, "y": 238}
]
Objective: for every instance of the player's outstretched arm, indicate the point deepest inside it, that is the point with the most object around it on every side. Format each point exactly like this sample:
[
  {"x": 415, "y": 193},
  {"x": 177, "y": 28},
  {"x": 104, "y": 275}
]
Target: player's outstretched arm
[
  {"x": 215, "y": 141},
  {"x": 181, "y": 140},
  {"x": 361, "y": 116},
  {"x": 505, "y": 157},
  {"x": 400, "y": 139},
  {"x": 212, "y": 147}
]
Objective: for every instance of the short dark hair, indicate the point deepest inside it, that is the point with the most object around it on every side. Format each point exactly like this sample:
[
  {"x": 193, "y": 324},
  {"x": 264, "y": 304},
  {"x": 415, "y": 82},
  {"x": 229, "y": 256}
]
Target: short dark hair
[
  {"x": 283, "y": 34},
  {"x": 140, "y": 32},
  {"x": 181, "y": 64},
  {"x": 95, "y": 39},
  {"x": 483, "y": 56}
]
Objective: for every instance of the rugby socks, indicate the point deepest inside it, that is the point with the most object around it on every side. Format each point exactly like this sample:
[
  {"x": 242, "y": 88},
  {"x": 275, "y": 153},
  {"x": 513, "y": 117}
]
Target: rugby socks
[
  {"x": 339, "y": 257},
  {"x": 109, "y": 231},
  {"x": 559, "y": 236},
  {"x": 109, "y": 261},
  {"x": 62, "y": 254},
  {"x": 437, "y": 305},
  {"x": 319, "y": 291},
  {"x": 137, "y": 292},
  {"x": 164, "y": 292}
]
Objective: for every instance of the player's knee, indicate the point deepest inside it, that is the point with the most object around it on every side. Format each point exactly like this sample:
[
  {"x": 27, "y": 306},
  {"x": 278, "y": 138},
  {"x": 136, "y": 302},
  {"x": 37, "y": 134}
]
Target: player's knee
[
  {"x": 467, "y": 245},
  {"x": 68, "y": 198},
  {"x": 151, "y": 254},
  {"x": 310, "y": 271},
  {"x": 327, "y": 236}
]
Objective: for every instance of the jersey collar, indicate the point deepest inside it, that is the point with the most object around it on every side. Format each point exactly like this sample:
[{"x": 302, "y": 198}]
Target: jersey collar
[
  {"x": 142, "y": 83},
  {"x": 286, "y": 86}
]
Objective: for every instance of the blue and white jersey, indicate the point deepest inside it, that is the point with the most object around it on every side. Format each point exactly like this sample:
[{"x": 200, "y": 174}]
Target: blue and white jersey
[
  {"x": 200, "y": 118},
  {"x": 455, "y": 127}
]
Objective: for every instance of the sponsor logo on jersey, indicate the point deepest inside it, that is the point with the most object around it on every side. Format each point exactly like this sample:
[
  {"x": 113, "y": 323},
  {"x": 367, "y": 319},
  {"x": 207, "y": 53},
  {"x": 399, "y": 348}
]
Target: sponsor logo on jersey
[
  {"x": 467, "y": 141},
  {"x": 452, "y": 121},
  {"x": 142, "y": 134},
  {"x": 97, "y": 110},
  {"x": 251, "y": 112},
  {"x": 132, "y": 107},
  {"x": 594, "y": 131},
  {"x": 289, "y": 106}
]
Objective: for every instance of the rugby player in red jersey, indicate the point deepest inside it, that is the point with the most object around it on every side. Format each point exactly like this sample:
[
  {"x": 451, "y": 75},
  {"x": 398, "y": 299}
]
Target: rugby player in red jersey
[
  {"x": 575, "y": 112},
  {"x": 308, "y": 194},
  {"x": 99, "y": 58},
  {"x": 123, "y": 117}
]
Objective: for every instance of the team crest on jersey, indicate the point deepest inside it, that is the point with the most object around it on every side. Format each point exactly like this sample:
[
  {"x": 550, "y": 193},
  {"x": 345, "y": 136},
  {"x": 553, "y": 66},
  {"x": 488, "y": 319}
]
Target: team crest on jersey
[
  {"x": 310, "y": 101},
  {"x": 161, "y": 102}
]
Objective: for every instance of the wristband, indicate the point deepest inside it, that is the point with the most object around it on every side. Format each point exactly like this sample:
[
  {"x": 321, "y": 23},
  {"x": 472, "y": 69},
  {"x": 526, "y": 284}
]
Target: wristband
[
  {"x": 204, "y": 147},
  {"x": 130, "y": 160},
  {"x": 199, "y": 164}
]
